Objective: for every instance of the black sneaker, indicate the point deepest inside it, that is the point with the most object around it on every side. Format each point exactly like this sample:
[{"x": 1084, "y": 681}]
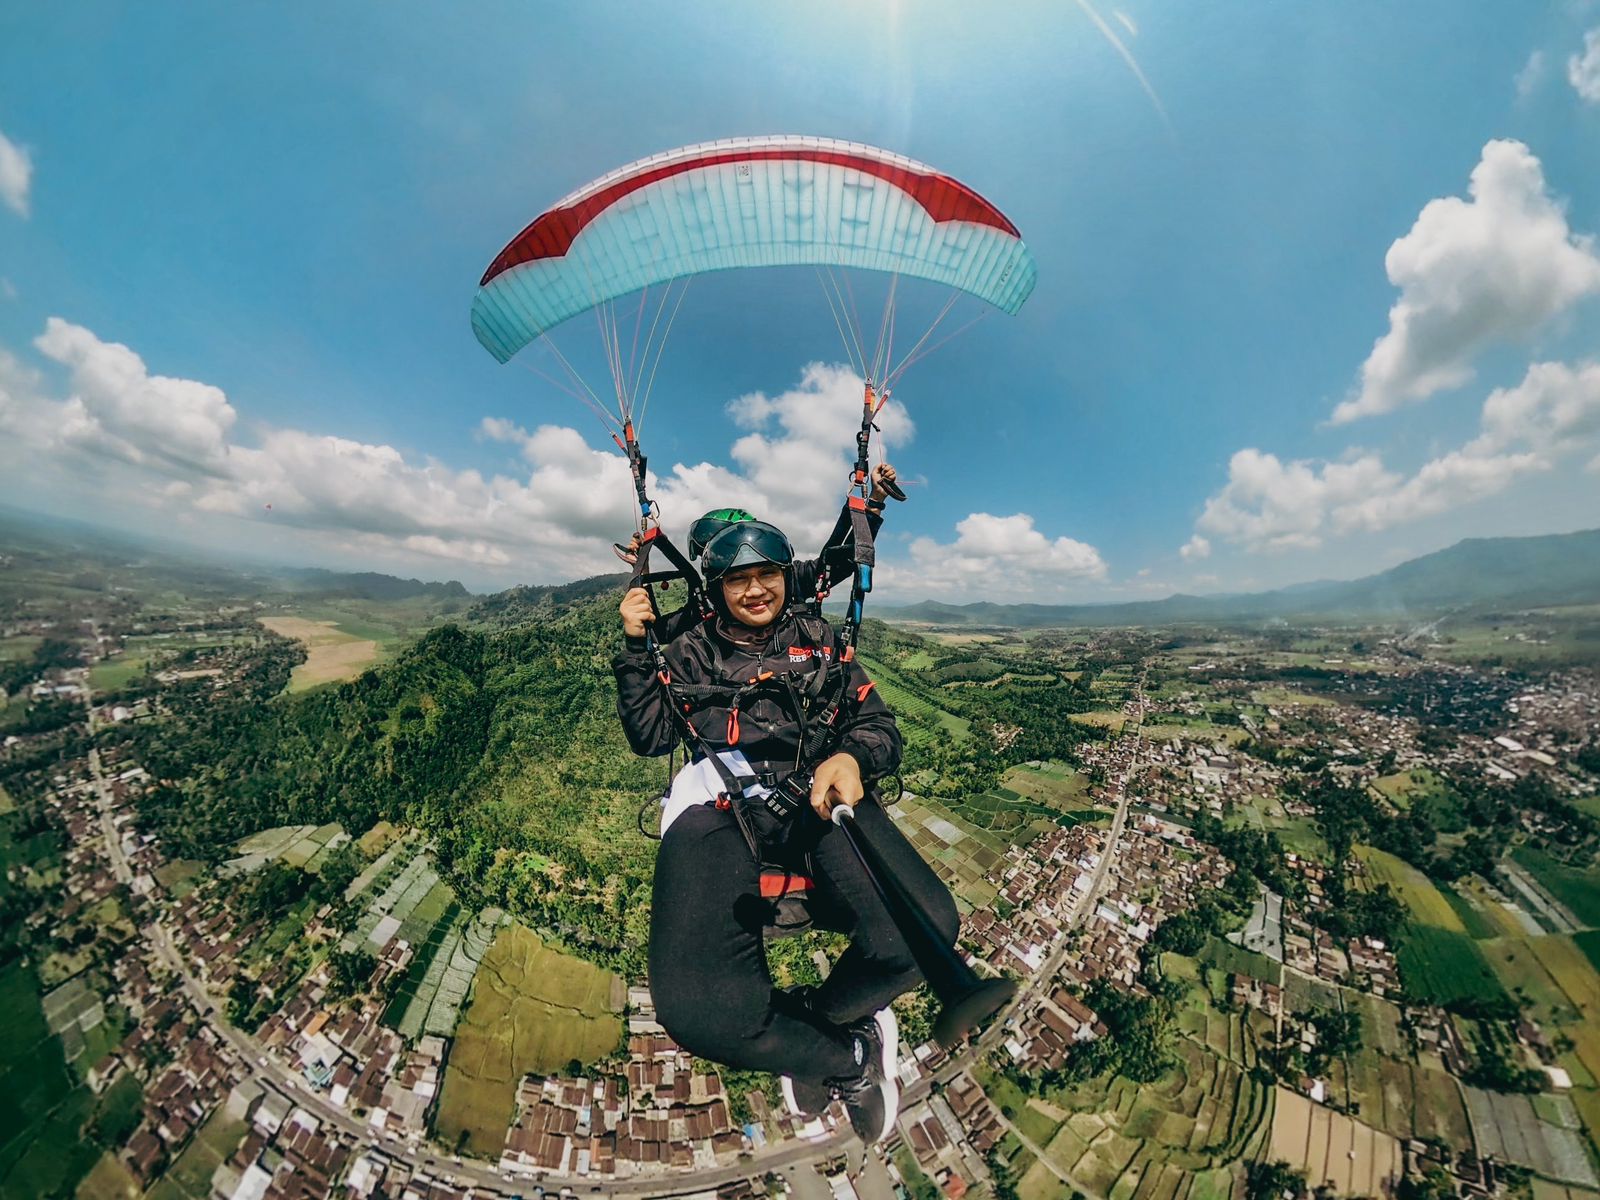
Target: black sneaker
[
  {"x": 873, "y": 1098},
  {"x": 804, "y": 1097}
]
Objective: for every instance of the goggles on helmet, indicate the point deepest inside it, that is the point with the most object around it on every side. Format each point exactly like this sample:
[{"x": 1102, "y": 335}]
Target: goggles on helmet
[
  {"x": 713, "y": 523},
  {"x": 746, "y": 544}
]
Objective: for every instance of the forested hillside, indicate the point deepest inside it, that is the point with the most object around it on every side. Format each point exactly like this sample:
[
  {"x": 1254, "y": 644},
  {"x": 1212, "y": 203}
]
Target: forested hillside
[{"x": 502, "y": 743}]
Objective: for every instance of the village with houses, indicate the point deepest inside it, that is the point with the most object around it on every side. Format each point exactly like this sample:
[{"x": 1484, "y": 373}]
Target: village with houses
[{"x": 1194, "y": 1000}]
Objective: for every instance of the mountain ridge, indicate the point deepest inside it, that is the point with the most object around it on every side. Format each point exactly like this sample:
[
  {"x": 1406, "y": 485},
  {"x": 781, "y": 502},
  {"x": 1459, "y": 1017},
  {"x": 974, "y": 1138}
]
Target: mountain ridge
[{"x": 1534, "y": 571}]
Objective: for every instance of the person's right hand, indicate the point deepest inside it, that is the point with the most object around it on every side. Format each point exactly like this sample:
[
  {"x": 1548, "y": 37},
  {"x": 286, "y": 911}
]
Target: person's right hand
[{"x": 636, "y": 612}]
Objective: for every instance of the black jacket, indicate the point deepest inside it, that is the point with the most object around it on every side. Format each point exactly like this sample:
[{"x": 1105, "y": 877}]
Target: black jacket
[{"x": 708, "y": 669}]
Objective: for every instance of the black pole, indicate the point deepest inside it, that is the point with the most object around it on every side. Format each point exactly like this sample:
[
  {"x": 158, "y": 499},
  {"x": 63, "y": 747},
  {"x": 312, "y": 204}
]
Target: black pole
[{"x": 965, "y": 1000}]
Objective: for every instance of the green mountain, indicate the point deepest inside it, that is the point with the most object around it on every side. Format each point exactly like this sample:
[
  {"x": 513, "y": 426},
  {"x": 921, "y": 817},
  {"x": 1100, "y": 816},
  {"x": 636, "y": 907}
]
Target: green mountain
[
  {"x": 1475, "y": 574},
  {"x": 368, "y": 585}
]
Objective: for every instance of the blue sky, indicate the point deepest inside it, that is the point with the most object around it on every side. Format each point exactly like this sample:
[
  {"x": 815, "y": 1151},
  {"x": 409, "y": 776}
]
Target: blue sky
[{"x": 1318, "y": 295}]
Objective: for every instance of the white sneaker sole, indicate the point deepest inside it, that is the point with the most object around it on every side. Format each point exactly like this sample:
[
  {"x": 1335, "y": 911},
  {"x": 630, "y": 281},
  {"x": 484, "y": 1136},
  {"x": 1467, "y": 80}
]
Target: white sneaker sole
[
  {"x": 889, "y": 1034},
  {"x": 787, "y": 1086}
]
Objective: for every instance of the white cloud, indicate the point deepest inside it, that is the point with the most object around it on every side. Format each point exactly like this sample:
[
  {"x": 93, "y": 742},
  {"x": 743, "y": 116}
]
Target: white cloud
[
  {"x": 1583, "y": 71},
  {"x": 120, "y": 409},
  {"x": 1268, "y": 504},
  {"x": 1553, "y": 410},
  {"x": 799, "y": 452},
  {"x": 171, "y": 444},
  {"x": 1552, "y": 415},
  {"x": 16, "y": 176},
  {"x": 1528, "y": 78},
  {"x": 1472, "y": 273},
  {"x": 998, "y": 557},
  {"x": 1195, "y": 549},
  {"x": 7, "y": 288}
]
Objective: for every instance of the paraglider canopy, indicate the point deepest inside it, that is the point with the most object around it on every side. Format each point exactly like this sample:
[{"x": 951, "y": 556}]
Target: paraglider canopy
[{"x": 747, "y": 202}]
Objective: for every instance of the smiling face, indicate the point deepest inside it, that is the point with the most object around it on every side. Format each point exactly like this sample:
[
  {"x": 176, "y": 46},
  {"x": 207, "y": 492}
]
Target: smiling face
[{"x": 754, "y": 594}]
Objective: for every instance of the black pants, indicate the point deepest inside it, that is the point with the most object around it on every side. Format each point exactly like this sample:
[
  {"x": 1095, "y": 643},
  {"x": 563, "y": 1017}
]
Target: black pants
[{"x": 708, "y": 962}]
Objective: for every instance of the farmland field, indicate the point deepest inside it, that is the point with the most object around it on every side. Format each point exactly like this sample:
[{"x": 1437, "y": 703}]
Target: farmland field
[
  {"x": 376, "y": 840},
  {"x": 1572, "y": 970},
  {"x": 42, "y": 1109},
  {"x": 1426, "y": 903},
  {"x": 331, "y": 654},
  {"x": 1182, "y": 1136},
  {"x": 1236, "y": 960},
  {"x": 1401, "y": 1098},
  {"x": 116, "y": 672},
  {"x": 1003, "y": 811},
  {"x": 189, "y": 1177},
  {"x": 904, "y": 699},
  {"x": 1438, "y": 966},
  {"x": 1589, "y": 942},
  {"x": 1353, "y": 1158},
  {"x": 533, "y": 1009},
  {"x": 1578, "y": 890},
  {"x": 1509, "y": 1128},
  {"x": 1099, "y": 719},
  {"x": 1482, "y": 916},
  {"x": 294, "y": 845},
  {"x": 1528, "y": 979},
  {"x": 960, "y": 852},
  {"x": 431, "y": 996},
  {"x": 109, "y": 1180},
  {"x": 389, "y": 909},
  {"x": 14, "y": 649},
  {"x": 1059, "y": 786}
]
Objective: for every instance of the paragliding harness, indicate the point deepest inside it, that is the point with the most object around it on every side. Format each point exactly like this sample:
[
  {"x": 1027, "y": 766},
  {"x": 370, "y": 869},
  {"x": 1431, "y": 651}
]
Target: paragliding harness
[{"x": 821, "y": 704}]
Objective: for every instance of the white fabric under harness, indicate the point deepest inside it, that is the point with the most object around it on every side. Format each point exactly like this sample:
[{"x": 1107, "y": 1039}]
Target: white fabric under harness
[{"x": 701, "y": 783}]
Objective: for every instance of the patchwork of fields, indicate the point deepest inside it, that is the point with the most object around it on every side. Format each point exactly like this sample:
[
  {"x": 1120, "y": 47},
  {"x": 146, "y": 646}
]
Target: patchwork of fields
[
  {"x": 1183, "y": 1137},
  {"x": 331, "y": 653},
  {"x": 1333, "y": 1149},
  {"x": 959, "y": 852},
  {"x": 533, "y": 1009},
  {"x": 43, "y": 1109},
  {"x": 1511, "y": 1129},
  {"x": 436, "y": 986},
  {"x": 293, "y": 845}
]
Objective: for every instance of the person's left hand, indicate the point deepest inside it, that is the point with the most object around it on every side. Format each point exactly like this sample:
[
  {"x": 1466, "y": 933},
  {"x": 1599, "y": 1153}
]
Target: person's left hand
[
  {"x": 836, "y": 781},
  {"x": 628, "y": 551}
]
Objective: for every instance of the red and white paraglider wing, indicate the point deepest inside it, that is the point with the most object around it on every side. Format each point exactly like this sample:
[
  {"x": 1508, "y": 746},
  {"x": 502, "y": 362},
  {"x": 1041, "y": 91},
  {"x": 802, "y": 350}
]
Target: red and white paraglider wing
[{"x": 748, "y": 202}]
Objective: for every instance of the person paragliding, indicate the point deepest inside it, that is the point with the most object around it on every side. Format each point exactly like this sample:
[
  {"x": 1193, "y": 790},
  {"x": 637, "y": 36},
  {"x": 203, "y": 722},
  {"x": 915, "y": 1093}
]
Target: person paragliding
[
  {"x": 785, "y": 732},
  {"x": 755, "y": 680}
]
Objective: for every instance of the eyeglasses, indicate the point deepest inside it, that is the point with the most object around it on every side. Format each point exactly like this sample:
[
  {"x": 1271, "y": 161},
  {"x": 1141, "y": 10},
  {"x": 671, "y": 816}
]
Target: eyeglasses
[{"x": 768, "y": 577}]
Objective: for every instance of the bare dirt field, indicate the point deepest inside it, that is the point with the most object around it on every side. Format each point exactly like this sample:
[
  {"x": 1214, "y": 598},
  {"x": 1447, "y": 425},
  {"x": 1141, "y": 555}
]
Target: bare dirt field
[
  {"x": 332, "y": 653},
  {"x": 1354, "y": 1159}
]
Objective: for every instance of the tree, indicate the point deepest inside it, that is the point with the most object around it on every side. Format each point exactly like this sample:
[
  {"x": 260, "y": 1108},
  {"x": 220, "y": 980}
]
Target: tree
[
  {"x": 338, "y": 871},
  {"x": 1274, "y": 1181},
  {"x": 1338, "y": 1033},
  {"x": 1005, "y": 1179},
  {"x": 1183, "y": 934},
  {"x": 268, "y": 893},
  {"x": 349, "y": 971},
  {"x": 1433, "y": 1184}
]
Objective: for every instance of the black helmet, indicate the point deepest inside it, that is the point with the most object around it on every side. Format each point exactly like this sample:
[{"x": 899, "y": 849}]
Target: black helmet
[
  {"x": 745, "y": 544},
  {"x": 713, "y": 523}
]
